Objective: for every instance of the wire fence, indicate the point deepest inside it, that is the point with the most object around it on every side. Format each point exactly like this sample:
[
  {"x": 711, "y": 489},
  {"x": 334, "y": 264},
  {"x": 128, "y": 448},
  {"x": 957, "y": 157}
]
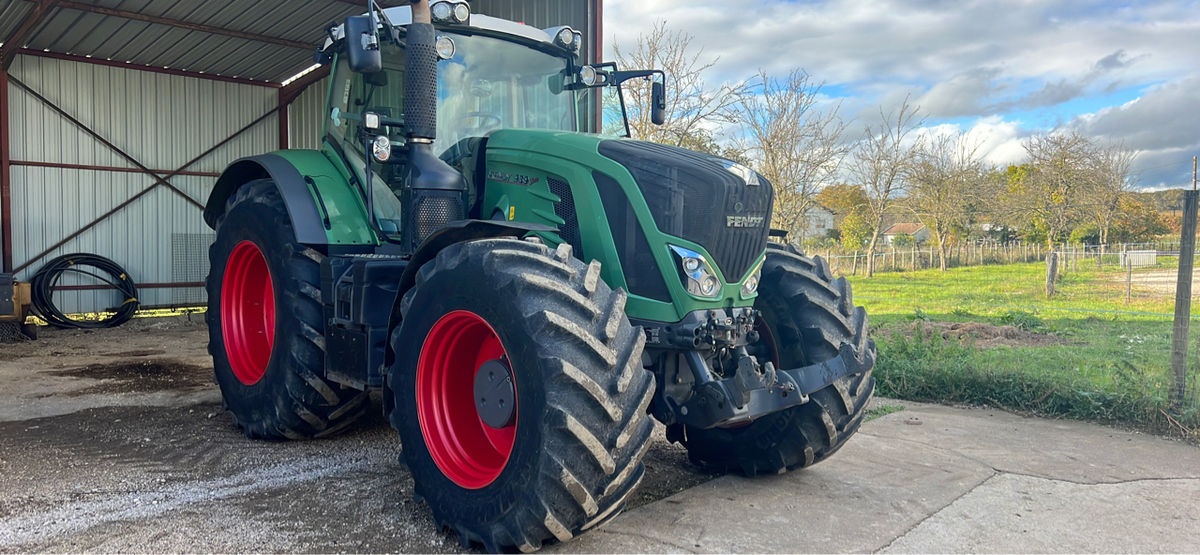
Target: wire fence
[{"x": 983, "y": 253}]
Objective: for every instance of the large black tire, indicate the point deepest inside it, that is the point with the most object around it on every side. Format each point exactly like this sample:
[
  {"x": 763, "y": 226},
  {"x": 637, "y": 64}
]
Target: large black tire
[
  {"x": 807, "y": 318},
  {"x": 571, "y": 454},
  {"x": 266, "y": 324}
]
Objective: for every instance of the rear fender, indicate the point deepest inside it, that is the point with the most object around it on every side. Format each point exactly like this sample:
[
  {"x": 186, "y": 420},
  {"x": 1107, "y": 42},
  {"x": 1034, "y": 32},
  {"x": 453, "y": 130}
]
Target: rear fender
[{"x": 324, "y": 207}]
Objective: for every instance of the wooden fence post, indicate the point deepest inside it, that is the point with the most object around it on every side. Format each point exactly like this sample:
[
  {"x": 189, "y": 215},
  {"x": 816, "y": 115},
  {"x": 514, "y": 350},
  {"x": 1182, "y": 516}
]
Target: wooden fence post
[
  {"x": 1183, "y": 303},
  {"x": 1128, "y": 282},
  {"x": 1051, "y": 272}
]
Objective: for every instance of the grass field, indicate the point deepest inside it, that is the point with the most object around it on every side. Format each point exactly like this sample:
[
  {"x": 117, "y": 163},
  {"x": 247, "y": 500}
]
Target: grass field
[{"x": 988, "y": 335}]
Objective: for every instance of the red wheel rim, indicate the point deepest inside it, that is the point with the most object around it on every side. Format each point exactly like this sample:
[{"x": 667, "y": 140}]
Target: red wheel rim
[
  {"x": 247, "y": 312},
  {"x": 467, "y": 451}
]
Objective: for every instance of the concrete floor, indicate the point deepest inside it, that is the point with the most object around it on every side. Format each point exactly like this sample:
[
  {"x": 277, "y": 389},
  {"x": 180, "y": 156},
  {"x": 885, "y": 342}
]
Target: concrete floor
[
  {"x": 114, "y": 441},
  {"x": 934, "y": 479}
]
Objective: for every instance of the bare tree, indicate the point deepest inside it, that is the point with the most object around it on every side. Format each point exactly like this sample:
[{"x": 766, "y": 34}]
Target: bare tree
[
  {"x": 1110, "y": 184},
  {"x": 880, "y": 163},
  {"x": 794, "y": 144},
  {"x": 691, "y": 104},
  {"x": 947, "y": 176}
]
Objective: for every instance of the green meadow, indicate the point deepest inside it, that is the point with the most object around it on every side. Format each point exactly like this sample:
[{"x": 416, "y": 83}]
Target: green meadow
[{"x": 988, "y": 335}]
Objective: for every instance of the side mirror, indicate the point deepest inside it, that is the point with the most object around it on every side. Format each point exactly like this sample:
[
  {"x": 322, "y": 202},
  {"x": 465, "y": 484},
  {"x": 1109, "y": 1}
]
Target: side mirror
[
  {"x": 556, "y": 82},
  {"x": 362, "y": 45},
  {"x": 658, "y": 103}
]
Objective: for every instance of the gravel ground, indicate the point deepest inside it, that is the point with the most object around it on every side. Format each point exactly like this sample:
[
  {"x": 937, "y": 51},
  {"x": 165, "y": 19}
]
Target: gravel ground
[{"x": 115, "y": 441}]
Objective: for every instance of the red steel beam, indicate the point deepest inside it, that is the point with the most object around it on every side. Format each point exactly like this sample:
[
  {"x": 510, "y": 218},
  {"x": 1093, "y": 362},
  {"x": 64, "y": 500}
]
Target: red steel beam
[
  {"x": 184, "y": 24},
  {"x": 6, "y": 244},
  {"x": 597, "y": 31},
  {"x": 284, "y": 126}
]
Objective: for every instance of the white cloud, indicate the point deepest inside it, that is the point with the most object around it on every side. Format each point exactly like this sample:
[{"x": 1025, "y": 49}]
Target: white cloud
[
  {"x": 973, "y": 62},
  {"x": 999, "y": 140}
]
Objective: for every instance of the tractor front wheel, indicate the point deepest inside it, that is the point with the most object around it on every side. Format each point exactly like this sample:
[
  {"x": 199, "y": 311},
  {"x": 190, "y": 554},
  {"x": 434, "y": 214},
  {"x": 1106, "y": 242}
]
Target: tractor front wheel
[
  {"x": 807, "y": 317},
  {"x": 266, "y": 324},
  {"x": 519, "y": 393}
]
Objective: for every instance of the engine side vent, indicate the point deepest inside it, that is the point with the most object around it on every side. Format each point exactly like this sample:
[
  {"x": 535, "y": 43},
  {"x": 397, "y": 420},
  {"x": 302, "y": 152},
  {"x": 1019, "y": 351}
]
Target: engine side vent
[{"x": 565, "y": 209}]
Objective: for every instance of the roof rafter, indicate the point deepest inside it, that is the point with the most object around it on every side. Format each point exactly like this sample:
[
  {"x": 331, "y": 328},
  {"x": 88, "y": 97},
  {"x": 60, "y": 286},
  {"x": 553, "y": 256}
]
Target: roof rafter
[
  {"x": 183, "y": 24},
  {"x": 14, "y": 42}
]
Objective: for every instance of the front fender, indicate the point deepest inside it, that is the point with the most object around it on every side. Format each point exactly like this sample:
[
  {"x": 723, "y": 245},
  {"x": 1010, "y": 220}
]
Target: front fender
[{"x": 457, "y": 232}]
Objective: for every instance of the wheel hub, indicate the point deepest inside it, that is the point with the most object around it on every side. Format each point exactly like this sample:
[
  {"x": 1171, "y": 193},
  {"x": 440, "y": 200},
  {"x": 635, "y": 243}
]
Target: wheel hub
[
  {"x": 469, "y": 441},
  {"x": 247, "y": 312},
  {"x": 495, "y": 398}
]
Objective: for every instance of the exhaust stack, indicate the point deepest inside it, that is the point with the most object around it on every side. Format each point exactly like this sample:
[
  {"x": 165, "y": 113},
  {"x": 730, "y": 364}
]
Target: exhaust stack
[{"x": 434, "y": 193}]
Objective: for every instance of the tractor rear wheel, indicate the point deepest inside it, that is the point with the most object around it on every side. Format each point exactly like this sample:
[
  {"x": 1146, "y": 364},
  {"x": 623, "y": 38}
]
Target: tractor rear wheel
[
  {"x": 266, "y": 324},
  {"x": 519, "y": 393},
  {"x": 807, "y": 318}
]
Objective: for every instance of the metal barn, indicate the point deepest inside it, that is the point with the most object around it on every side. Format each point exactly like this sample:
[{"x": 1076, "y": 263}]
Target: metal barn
[{"x": 119, "y": 115}]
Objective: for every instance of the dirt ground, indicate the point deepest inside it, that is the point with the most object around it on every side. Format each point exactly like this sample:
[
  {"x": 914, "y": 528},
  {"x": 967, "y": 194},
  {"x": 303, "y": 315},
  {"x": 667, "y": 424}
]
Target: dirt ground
[
  {"x": 115, "y": 441},
  {"x": 1159, "y": 283},
  {"x": 982, "y": 334}
]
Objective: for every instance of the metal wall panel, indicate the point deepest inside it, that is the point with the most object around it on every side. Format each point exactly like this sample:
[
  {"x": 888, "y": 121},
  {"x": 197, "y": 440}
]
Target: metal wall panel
[
  {"x": 306, "y": 116},
  {"x": 162, "y": 121}
]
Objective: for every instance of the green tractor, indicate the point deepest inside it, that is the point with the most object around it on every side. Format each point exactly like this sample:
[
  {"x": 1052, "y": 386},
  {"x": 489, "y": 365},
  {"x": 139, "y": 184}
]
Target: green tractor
[{"x": 525, "y": 293}]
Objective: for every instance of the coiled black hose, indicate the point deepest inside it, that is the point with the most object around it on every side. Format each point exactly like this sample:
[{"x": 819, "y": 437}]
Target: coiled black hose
[{"x": 46, "y": 279}]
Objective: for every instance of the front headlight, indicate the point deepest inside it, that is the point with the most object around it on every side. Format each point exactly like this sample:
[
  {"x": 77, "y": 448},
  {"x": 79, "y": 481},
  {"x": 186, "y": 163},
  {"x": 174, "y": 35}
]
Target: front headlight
[
  {"x": 587, "y": 76},
  {"x": 699, "y": 277},
  {"x": 750, "y": 285},
  {"x": 381, "y": 149},
  {"x": 445, "y": 47}
]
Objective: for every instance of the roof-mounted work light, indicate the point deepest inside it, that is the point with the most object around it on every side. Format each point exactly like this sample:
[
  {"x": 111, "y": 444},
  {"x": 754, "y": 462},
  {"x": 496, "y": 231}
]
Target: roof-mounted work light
[{"x": 450, "y": 13}]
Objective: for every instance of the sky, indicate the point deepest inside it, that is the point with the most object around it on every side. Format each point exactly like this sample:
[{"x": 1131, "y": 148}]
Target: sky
[{"x": 1123, "y": 73}]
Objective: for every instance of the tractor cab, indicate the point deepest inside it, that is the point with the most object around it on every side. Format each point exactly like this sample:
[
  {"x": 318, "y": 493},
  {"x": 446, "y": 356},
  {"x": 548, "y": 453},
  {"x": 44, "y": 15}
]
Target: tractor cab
[{"x": 490, "y": 74}]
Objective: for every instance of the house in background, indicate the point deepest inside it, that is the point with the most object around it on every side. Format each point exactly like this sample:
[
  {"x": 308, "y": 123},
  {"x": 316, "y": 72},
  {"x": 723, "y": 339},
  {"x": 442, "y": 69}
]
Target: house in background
[
  {"x": 818, "y": 220},
  {"x": 918, "y": 232}
]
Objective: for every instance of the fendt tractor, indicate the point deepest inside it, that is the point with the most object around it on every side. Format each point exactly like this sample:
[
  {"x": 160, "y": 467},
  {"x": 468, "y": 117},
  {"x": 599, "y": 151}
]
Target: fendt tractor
[{"x": 523, "y": 290}]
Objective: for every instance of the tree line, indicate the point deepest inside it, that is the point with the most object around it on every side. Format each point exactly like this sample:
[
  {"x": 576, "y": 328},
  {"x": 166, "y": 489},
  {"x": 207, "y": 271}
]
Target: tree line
[{"x": 1067, "y": 188}]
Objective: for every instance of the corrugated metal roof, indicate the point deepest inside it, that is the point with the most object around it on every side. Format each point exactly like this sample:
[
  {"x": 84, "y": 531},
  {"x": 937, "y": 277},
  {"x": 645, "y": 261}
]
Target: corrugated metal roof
[
  {"x": 257, "y": 40},
  {"x": 249, "y": 39},
  {"x": 11, "y": 16}
]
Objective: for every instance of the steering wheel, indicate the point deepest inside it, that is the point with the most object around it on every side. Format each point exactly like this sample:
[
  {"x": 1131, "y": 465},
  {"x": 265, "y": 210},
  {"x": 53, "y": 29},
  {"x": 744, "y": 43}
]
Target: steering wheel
[{"x": 483, "y": 120}]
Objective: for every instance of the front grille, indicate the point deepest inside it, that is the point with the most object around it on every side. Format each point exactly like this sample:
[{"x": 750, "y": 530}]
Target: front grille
[
  {"x": 693, "y": 196},
  {"x": 633, "y": 249}
]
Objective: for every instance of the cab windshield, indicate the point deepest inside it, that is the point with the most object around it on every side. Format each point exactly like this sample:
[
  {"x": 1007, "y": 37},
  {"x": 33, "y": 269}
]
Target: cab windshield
[{"x": 487, "y": 84}]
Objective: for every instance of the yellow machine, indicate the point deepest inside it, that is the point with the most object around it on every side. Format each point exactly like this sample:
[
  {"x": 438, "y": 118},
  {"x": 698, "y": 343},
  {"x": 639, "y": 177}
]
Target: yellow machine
[{"x": 14, "y": 305}]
